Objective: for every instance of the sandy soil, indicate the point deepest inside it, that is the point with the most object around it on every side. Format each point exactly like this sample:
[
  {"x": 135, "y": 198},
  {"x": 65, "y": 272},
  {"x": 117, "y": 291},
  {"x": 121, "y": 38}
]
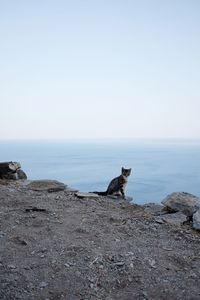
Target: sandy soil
[{"x": 57, "y": 246}]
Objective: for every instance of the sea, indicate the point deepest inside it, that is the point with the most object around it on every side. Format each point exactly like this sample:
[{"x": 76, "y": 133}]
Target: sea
[{"x": 159, "y": 167}]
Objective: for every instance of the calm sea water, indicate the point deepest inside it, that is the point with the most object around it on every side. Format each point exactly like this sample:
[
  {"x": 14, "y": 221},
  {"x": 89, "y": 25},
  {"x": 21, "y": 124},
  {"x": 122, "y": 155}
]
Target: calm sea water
[{"x": 159, "y": 167}]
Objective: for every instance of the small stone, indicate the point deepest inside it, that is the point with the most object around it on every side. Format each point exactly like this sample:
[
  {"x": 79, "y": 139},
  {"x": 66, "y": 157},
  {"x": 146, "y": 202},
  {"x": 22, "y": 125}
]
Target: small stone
[
  {"x": 196, "y": 220},
  {"x": 86, "y": 195},
  {"x": 144, "y": 293},
  {"x": 78, "y": 273},
  {"x": 19, "y": 240},
  {"x": 2, "y": 234},
  {"x": 167, "y": 249},
  {"x": 43, "y": 284},
  {"x": 152, "y": 263},
  {"x": 159, "y": 220},
  {"x": 70, "y": 190},
  {"x": 11, "y": 267},
  {"x": 130, "y": 279},
  {"x": 67, "y": 265},
  {"x": 44, "y": 250},
  {"x": 119, "y": 263}
]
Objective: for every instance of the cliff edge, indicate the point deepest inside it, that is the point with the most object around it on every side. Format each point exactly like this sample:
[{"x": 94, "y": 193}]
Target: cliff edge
[{"x": 57, "y": 245}]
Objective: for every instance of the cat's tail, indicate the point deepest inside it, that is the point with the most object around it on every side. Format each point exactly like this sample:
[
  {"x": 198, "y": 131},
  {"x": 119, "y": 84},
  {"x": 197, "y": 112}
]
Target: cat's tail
[{"x": 101, "y": 193}]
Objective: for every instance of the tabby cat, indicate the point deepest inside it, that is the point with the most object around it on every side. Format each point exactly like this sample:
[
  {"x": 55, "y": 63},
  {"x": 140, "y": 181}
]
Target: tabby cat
[{"x": 117, "y": 185}]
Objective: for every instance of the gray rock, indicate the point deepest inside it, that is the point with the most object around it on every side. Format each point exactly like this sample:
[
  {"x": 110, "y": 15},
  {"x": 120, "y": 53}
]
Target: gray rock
[
  {"x": 86, "y": 195},
  {"x": 11, "y": 266},
  {"x": 2, "y": 234},
  {"x": 120, "y": 198},
  {"x": 174, "y": 219},
  {"x": 196, "y": 220},
  {"x": 14, "y": 165},
  {"x": 9, "y": 176},
  {"x": 46, "y": 185},
  {"x": 154, "y": 209},
  {"x": 9, "y": 167},
  {"x": 159, "y": 220},
  {"x": 43, "y": 284},
  {"x": 129, "y": 199},
  {"x": 70, "y": 190},
  {"x": 186, "y": 203},
  {"x": 11, "y": 171},
  {"x": 21, "y": 174}
]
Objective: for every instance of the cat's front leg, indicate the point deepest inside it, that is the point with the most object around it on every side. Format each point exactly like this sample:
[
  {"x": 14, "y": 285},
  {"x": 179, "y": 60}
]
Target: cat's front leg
[{"x": 123, "y": 194}]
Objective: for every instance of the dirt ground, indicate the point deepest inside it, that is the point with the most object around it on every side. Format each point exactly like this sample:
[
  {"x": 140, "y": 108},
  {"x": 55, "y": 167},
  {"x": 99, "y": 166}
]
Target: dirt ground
[{"x": 57, "y": 246}]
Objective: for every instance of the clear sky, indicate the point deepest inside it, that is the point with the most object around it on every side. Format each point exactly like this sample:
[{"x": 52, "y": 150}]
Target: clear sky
[{"x": 99, "y": 69}]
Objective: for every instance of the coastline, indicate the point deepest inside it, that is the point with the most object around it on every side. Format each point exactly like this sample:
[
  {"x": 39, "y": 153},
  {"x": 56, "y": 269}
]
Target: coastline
[{"x": 159, "y": 168}]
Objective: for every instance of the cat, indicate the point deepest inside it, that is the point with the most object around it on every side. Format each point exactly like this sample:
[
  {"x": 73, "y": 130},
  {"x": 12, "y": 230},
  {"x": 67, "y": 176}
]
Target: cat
[{"x": 117, "y": 185}]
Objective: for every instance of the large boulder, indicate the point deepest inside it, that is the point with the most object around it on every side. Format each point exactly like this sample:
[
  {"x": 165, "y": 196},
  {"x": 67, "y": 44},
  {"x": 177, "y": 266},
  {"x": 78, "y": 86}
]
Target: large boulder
[
  {"x": 10, "y": 166},
  {"x": 46, "y": 185},
  {"x": 21, "y": 174},
  {"x": 186, "y": 203},
  {"x": 11, "y": 171}
]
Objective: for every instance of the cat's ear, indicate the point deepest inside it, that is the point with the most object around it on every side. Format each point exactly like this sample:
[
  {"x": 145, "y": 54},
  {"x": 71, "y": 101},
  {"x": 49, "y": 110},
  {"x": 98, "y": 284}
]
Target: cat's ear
[{"x": 122, "y": 169}]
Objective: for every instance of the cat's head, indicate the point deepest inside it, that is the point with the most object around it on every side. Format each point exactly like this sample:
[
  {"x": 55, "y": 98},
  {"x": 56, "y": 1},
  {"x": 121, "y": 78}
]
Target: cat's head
[{"x": 126, "y": 172}]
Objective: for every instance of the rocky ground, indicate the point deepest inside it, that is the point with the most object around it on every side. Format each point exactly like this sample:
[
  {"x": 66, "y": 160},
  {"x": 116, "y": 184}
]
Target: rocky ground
[{"x": 54, "y": 245}]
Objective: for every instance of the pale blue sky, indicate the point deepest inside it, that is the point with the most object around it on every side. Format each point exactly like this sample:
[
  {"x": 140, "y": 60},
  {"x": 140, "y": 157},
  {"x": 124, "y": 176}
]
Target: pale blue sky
[{"x": 99, "y": 69}]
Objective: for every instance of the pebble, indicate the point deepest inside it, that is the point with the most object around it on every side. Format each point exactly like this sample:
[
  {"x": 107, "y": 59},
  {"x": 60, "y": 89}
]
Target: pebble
[
  {"x": 159, "y": 220},
  {"x": 78, "y": 273},
  {"x": 44, "y": 250},
  {"x": 144, "y": 293},
  {"x": 2, "y": 234},
  {"x": 11, "y": 267},
  {"x": 152, "y": 263},
  {"x": 67, "y": 265},
  {"x": 119, "y": 263},
  {"x": 43, "y": 284}
]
